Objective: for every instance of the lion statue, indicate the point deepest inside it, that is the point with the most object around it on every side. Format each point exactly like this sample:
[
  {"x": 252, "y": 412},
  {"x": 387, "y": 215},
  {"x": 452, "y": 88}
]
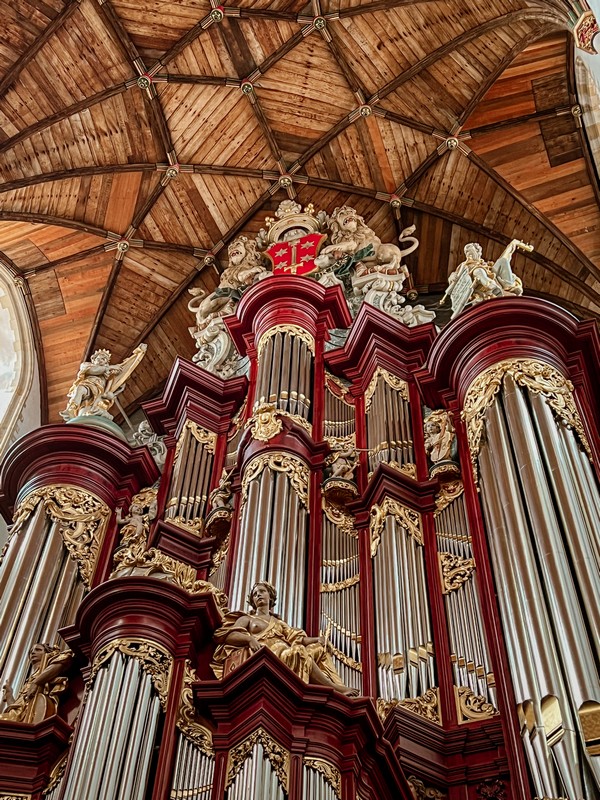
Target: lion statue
[
  {"x": 245, "y": 267},
  {"x": 350, "y": 235}
]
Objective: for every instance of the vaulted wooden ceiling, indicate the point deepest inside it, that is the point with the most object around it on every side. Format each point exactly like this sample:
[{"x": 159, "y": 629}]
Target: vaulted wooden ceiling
[{"x": 353, "y": 99}]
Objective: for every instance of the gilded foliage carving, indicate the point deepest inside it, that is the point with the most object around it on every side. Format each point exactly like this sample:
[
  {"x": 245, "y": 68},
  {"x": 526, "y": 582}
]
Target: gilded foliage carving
[
  {"x": 472, "y": 706},
  {"x": 154, "y": 660},
  {"x": 426, "y": 706},
  {"x": 296, "y": 470},
  {"x": 187, "y": 719},
  {"x": 449, "y": 492},
  {"x": 538, "y": 378},
  {"x": 394, "y": 382},
  {"x": 265, "y": 422},
  {"x": 455, "y": 571},
  {"x": 328, "y": 771},
  {"x": 406, "y": 517},
  {"x": 339, "y": 517},
  {"x": 206, "y": 438},
  {"x": 289, "y": 330},
  {"x": 277, "y": 755},
  {"x": 339, "y": 585},
  {"x": 81, "y": 520}
]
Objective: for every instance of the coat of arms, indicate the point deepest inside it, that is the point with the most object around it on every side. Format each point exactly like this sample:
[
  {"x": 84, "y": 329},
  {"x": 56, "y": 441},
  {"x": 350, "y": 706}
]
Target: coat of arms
[
  {"x": 293, "y": 239},
  {"x": 296, "y": 257}
]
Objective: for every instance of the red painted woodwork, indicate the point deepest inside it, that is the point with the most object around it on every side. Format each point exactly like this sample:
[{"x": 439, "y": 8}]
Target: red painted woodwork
[{"x": 83, "y": 457}]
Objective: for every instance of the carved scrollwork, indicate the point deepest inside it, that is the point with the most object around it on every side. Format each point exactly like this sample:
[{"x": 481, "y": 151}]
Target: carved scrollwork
[
  {"x": 472, "y": 706},
  {"x": 206, "y": 438},
  {"x": 426, "y": 706},
  {"x": 407, "y": 469},
  {"x": 328, "y": 771},
  {"x": 290, "y": 330},
  {"x": 58, "y": 770},
  {"x": 394, "y": 382},
  {"x": 449, "y": 492},
  {"x": 455, "y": 571},
  {"x": 81, "y": 520},
  {"x": 339, "y": 517},
  {"x": 187, "y": 719},
  {"x": 154, "y": 660},
  {"x": 538, "y": 378},
  {"x": 422, "y": 792},
  {"x": 406, "y": 517},
  {"x": 339, "y": 585},
  {"x": 277, "y": 755},
  {"x": 264, "y": 423},
  {"x": 279, "y": 461}
]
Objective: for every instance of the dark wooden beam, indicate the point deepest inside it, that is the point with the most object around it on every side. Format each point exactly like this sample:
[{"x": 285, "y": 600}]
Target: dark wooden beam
[
  {"x": 78, "y": 172},
  {"x": 61, "y": 262},
  {"x": 19, "y": 65},
  {"x": 48, "y": 219}
]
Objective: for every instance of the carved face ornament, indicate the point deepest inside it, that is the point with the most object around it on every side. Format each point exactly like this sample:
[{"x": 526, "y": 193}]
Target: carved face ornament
[{"x": 236, "y": 252}]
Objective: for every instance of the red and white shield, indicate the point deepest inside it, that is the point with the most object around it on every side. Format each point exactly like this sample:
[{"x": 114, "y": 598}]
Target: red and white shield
[{"x": 297, "y": 257}]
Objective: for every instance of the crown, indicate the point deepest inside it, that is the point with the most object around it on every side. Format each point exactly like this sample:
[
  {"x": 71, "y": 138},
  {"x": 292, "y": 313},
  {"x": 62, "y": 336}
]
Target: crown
[{"x": 290, "y": 216}]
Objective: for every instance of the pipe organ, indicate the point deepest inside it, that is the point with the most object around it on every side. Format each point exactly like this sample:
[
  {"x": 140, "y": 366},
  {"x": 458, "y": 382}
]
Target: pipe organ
[{"x": 367, "y": 570}]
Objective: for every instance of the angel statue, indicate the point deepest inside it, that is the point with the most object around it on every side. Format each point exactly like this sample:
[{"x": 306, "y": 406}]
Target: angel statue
[
  {"x": 241, "y": 635},
  {"x": 37, "y": 699},
  {"x": 97, "y": 384}
]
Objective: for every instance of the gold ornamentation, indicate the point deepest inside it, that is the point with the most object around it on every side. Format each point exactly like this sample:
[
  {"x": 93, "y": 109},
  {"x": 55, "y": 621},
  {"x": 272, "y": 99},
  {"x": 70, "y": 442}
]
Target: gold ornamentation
[
  {"x": 349, "y": 662},
  {"x": 219, "y": 556},
  {"x": 472, "y": 706},
  {"x": 496, "y": 790},
  {"x": 264, "y": 423},
  {"x": 406, "y": 517},
  {"x": 206, "y": 438},
  {"x": 427, "y": 706},
  {"x": 337, "y": 587},
  {"x": 192, "y": 525},
  {"x": 134, "y": 533},
  {"x": 422, "y": 792},
  {"x": 538, "y": 378},
  {"x": 81, "y": 518},
  {"x": 37, "y": 698},
  {"x": 187, "y": 719},
  {"x": 290, "y": 330},
  {"x": 340, "y": 518},
  {"x": 277, "y": 755},
  {"x": 455, "y": 571},
  {"x": 407, "y": 469},
  {"x": 15, "y": 797},
  {"x": 585, "y": 31},
  {"x": 279, "y": 461},
  {"x": 55, "y": 776},
  {"x": 154, "y": 660},
  {"x": 449, "y": 492},
  {"x": 328, "y": 771},
  {"x": 394, "y": 382}
]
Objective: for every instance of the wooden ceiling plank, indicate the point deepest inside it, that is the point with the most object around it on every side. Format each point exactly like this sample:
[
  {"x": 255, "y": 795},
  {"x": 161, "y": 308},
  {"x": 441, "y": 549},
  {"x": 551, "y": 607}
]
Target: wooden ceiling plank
[
  {"x": 50, "y": 177},
  {"x": 115, "y": 26},
  {"x": 13, "y": 73}
]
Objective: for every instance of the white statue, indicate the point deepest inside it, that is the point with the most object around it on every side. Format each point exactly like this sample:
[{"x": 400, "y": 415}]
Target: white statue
[
  {"x": 145, "y": 436},
  {"x": 476, "y": 280},
  {"x": 351, "y": 236},
  {"x": 97, "y": 384},
  {"x": 439, "y": 436}
]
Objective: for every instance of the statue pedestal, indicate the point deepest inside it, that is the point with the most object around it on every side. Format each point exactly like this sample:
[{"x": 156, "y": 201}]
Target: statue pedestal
[{"x": 99, "y": 423}]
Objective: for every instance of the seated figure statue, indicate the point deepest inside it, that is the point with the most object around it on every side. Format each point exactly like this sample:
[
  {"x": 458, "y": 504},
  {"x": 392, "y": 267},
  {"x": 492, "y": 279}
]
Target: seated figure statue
[{"x": 246, "y": 633}]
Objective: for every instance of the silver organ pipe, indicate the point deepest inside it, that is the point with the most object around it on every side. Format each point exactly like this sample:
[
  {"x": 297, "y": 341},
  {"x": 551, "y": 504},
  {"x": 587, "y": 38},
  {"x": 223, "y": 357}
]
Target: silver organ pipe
[
  {"x": 284, "y": 377},
  {"x": 339, "y": 413},
  {"x": 256, "y": 780},
  {"x": 471, "y": 664},
  {"x": 405, "y": 664},
  {"x": 273, "y": 535},
  {"x": 545, "y": 583},
  {"x": 190, "y": 480},
  {"x": 194, "y": 772},
  {"x": 389, "y": 431},
  {"x": 340, "y": 595},
  {"x": 115, "y": 741},
  {"x": 315, "y": 785}
]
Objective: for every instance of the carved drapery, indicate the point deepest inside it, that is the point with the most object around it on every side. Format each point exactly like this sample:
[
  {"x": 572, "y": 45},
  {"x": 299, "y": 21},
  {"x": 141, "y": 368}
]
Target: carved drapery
[
  {"x": 330, "y": 773},
  {"x": 278, "y": 756},
  {"x": 81, "y": 518},
  {"x": 538, "y": 378},
  {"x": 154, "y": 660}
]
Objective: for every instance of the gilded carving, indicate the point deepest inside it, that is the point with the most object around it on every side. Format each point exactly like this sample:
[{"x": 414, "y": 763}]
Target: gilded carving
[
  {"x": 134, "y": 529},
  {"x": 81, "y": 520},
  {"x": 449, "y": 492},
  {"x": 394, "y": 382},
  {"x": 339, "y": 517},
  {"x": 494, "y": 790},
  {"x": 206, "y": 438},
  {"x": 422, "y": 792},
  {"x": 154, "y": 660},
  {"x": 290, "y": 330},
  {"x": 426, "y": 706},
  {"x": 277, "y": 755},
  {"x": 455, "y": 571},
  {"x": 472, "y": 706},
  {"x": 38, "y": 697},
  {"x": 278, "y": 461},
  {"x": 538, "y": 378},
  {"x": 15, "y": 797},
  {"x": 264, "y": 423},
  {"x": 58, "y": 770},
  {"x": 406, "y": 469},
  {"x": 328, "y": 771},
  {"x": 406, "y": 517},
  {"x": 339, "y": 585},
  {"x": 187, "y": 719}
]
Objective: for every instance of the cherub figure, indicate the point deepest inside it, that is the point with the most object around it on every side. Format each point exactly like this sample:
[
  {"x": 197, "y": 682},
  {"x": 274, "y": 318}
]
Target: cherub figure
[{"x": 37, "y": 698}]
